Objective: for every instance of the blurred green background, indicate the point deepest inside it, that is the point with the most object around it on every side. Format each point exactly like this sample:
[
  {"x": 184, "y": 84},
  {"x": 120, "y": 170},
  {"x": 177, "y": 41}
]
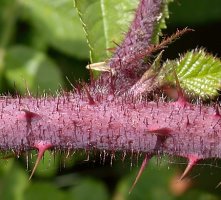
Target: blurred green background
[{"x": 42, "y": 48}]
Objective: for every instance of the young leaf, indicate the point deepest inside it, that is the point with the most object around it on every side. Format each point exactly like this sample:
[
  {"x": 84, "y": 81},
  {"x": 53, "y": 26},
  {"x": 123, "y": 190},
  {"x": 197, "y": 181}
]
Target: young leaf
[
  {"x": 198, "y": 72},
  {"x": 104, "y": 22}
]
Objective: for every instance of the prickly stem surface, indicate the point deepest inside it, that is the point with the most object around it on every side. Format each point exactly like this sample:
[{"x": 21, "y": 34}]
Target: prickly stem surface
[
  {"x": 137, "y": 39},
  {"x": 119, "y": 124}
]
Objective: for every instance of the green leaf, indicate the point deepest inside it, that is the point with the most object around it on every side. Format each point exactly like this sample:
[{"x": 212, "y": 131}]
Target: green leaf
[
  {"x": 14, "y": 182},
  {"x": 199, "y": 73},
  {"x": 3, "y": 82},
  {"x": 89, "y": 189},
  {"x": 27, "y": 67},
  {"x": 161, "y": 22},
  {"x": 57, "y": 22},
  {"x": 44, "y": 190},
  {"x": 104, "y": 23},
  {"x": 9, "y": 11}
]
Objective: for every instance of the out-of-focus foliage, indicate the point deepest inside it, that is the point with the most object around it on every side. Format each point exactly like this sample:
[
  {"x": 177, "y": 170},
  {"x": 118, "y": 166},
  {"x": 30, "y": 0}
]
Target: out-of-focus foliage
[
  {"x": 42, "y": 42},
  {"x": 188, "y": 12},
  {"x": 24, "y": 65},
  {"x": 35, "y": 39},
  {"x": 56, "y": 23}
]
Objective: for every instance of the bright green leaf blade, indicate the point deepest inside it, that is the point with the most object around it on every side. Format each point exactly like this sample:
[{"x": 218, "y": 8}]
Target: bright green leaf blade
[
  {"x": 27, "y": 67},
  {"x": 59, "y": 25},
  {"x": 199, "y": 73},
  {"x": 104, "y": 23}
]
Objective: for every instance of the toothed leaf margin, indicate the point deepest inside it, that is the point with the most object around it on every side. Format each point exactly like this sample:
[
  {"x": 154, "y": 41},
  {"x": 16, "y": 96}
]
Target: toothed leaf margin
[{"x": 198, "y": 72}]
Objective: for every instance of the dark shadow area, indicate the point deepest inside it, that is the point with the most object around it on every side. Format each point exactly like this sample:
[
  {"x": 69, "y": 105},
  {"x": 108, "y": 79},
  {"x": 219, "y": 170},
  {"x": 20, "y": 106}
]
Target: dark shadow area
[{"x": 207, "y": 36}]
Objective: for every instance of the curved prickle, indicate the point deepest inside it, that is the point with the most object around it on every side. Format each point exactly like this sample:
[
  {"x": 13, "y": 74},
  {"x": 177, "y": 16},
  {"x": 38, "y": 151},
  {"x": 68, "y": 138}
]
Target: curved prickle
[
  {"x": 41, "y": 146},
  {"x": 192, "y": 161}
]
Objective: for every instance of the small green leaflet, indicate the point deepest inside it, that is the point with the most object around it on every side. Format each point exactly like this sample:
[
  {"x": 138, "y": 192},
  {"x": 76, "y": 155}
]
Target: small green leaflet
[{"x": 199, "y": 73}]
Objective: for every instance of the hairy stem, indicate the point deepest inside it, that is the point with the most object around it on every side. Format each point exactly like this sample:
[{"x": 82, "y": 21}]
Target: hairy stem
[
  {"x": 123, "y": 124},
  {"x": 136, "y": 41}
]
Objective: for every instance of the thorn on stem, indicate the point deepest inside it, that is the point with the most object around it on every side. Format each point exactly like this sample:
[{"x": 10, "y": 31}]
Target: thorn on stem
[
  {"x": 162, "y": 132},
  {"x": 181, "y": 97},
  {"x": 90, "y": 98},
  {"x": 28, "y": 115},
  {"x": 143, "y": 166},
  {"x": 192, "y": 160},
  {"x": 42, "y": 146},
  {"x": 187, "y": 121}
]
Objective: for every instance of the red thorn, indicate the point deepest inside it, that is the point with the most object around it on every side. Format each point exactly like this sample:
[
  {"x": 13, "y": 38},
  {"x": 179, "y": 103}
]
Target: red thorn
[
  {"x": 143, "y": 166},
  {"x": 28, "y": 115},
  {"x": 78, "y": 87},
  {"x": 42, "y": 146},
  {"x": 192, "y": 160},
  {"x": 112, "y": 84},
  {"x": 90, "y": 99},
  {"x": 181, "y": 101},
  {"x": 164, "y": 132}
]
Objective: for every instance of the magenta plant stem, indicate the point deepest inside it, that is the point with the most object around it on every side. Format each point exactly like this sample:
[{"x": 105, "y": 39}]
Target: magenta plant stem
[
  {"x": 137, "y": 39},
  {"x": 123, "y": 124}
]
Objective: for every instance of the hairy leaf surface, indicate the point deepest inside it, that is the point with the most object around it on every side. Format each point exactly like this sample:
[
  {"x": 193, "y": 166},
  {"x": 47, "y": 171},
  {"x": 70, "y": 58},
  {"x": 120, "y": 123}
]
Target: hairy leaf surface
[{"x": 198, "y": 72}]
